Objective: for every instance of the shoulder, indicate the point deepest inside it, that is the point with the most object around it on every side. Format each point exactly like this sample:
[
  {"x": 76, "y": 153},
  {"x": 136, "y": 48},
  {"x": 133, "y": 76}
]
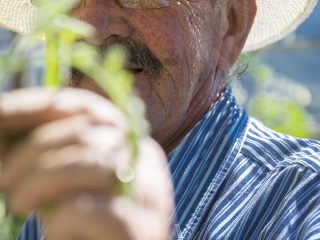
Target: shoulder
[
  {"x": 275, "y": 150},
  {"x": 286, "y": 196}
]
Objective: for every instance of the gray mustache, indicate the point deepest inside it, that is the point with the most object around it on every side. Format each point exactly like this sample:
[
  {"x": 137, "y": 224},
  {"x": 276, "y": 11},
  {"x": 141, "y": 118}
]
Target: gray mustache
[{"x": 138, "y": 54}]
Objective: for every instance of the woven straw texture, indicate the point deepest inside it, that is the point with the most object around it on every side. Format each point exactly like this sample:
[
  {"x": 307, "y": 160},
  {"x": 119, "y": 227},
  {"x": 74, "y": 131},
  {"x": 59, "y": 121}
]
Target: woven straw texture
[
  {"x": 17, "y": 15},
  {"x": 274, "y": 20}
]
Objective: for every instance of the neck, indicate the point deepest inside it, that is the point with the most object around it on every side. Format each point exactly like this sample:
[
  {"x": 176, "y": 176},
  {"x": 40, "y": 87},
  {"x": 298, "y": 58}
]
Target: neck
[{"x": 207, "y": 95}]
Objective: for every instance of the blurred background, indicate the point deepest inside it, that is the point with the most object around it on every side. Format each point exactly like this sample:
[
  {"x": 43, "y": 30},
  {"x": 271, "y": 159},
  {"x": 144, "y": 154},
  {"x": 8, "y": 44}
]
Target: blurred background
[{"x": 281, "y": 84}]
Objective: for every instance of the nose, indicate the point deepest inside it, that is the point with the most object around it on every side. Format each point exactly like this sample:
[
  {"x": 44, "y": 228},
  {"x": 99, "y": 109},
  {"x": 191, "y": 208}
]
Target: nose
[{"x": 108, "y": 19}]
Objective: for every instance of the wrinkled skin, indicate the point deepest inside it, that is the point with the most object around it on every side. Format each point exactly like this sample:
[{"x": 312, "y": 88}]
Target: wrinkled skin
[
  {"x": 68, "y": 145},
  {"x": 187, "y": 48}
]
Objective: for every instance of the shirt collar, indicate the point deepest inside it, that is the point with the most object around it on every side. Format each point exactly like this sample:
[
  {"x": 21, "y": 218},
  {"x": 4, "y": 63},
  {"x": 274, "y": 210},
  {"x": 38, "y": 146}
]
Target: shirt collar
[{"x": 200, "y": 162}]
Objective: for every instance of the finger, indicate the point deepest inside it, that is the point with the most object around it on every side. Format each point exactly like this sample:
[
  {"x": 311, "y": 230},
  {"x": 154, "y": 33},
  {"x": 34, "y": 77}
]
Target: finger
[
  {"x": 41, "y": 189},
  {"x": 69, "y": 170},
  {"x": 100, "y": 109},
  {"x": 153, "y": 184},
  {"x": 23, "y": 110},
  {"x": 50, "y": 135},
  {"x": 85, "y": 217},
  {"x": 20, "y": 159},
  {"x": 97, "y": 217}
]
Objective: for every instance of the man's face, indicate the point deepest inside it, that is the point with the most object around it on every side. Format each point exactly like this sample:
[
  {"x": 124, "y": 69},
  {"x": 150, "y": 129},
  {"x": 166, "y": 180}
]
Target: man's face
[{"x": 178, "y": 48}]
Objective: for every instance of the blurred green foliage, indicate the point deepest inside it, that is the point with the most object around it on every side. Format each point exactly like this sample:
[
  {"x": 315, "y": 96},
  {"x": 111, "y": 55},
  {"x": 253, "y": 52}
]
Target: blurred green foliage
[
  {"x": 275, "y": 100},
  {"x": 9, "y": 228},
  {"x": 282, "y": 115}
]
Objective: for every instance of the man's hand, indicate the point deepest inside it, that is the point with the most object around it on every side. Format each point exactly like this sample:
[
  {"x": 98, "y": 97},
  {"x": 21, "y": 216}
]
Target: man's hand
[{"x": 63, "y": 150}]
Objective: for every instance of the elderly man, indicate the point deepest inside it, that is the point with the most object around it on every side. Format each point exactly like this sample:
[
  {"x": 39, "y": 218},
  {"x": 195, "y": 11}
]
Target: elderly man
[{"x": 232, "y": 177}]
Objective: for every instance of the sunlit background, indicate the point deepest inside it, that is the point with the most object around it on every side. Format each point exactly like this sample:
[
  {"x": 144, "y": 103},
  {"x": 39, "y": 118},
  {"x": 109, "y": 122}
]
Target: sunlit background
[{"x": 281, "y": 86}]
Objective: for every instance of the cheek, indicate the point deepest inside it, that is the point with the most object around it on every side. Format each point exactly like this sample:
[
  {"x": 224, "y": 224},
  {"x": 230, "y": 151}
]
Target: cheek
[
  {"x": 161, "y": 34},
  {"x": 164, "y": 96},
  {"x": 164, "y": 34},
  {"x": 195, "y": 32},
  {"x": 172, "y": 38},
  {"x": 175, "y": 42}
]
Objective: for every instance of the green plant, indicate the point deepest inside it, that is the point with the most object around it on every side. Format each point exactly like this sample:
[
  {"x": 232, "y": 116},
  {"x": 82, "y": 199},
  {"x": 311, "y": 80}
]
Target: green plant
[{"x": 63, "y": 51}]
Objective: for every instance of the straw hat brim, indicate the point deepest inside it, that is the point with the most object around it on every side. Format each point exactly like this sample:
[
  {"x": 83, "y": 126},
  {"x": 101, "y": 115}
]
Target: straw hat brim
[{"x": 274, "y": 20}]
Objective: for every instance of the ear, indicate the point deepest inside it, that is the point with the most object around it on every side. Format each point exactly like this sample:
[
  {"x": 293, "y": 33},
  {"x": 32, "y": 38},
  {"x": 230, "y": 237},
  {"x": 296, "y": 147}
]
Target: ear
[{"x": 241, "y": 14}]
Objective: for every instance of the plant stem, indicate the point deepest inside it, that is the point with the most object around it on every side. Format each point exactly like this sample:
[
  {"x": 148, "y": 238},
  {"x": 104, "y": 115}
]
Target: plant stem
[{"x": 52, "y": 60}]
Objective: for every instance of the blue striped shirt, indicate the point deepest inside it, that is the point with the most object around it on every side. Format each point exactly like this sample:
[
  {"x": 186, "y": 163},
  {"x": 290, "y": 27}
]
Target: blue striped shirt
[{"x": 236, "y": 179}]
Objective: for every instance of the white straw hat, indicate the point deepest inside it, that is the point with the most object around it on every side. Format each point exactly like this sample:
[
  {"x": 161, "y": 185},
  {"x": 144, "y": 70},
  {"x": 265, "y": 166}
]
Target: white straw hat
[{"x": 274, "y": 20}]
